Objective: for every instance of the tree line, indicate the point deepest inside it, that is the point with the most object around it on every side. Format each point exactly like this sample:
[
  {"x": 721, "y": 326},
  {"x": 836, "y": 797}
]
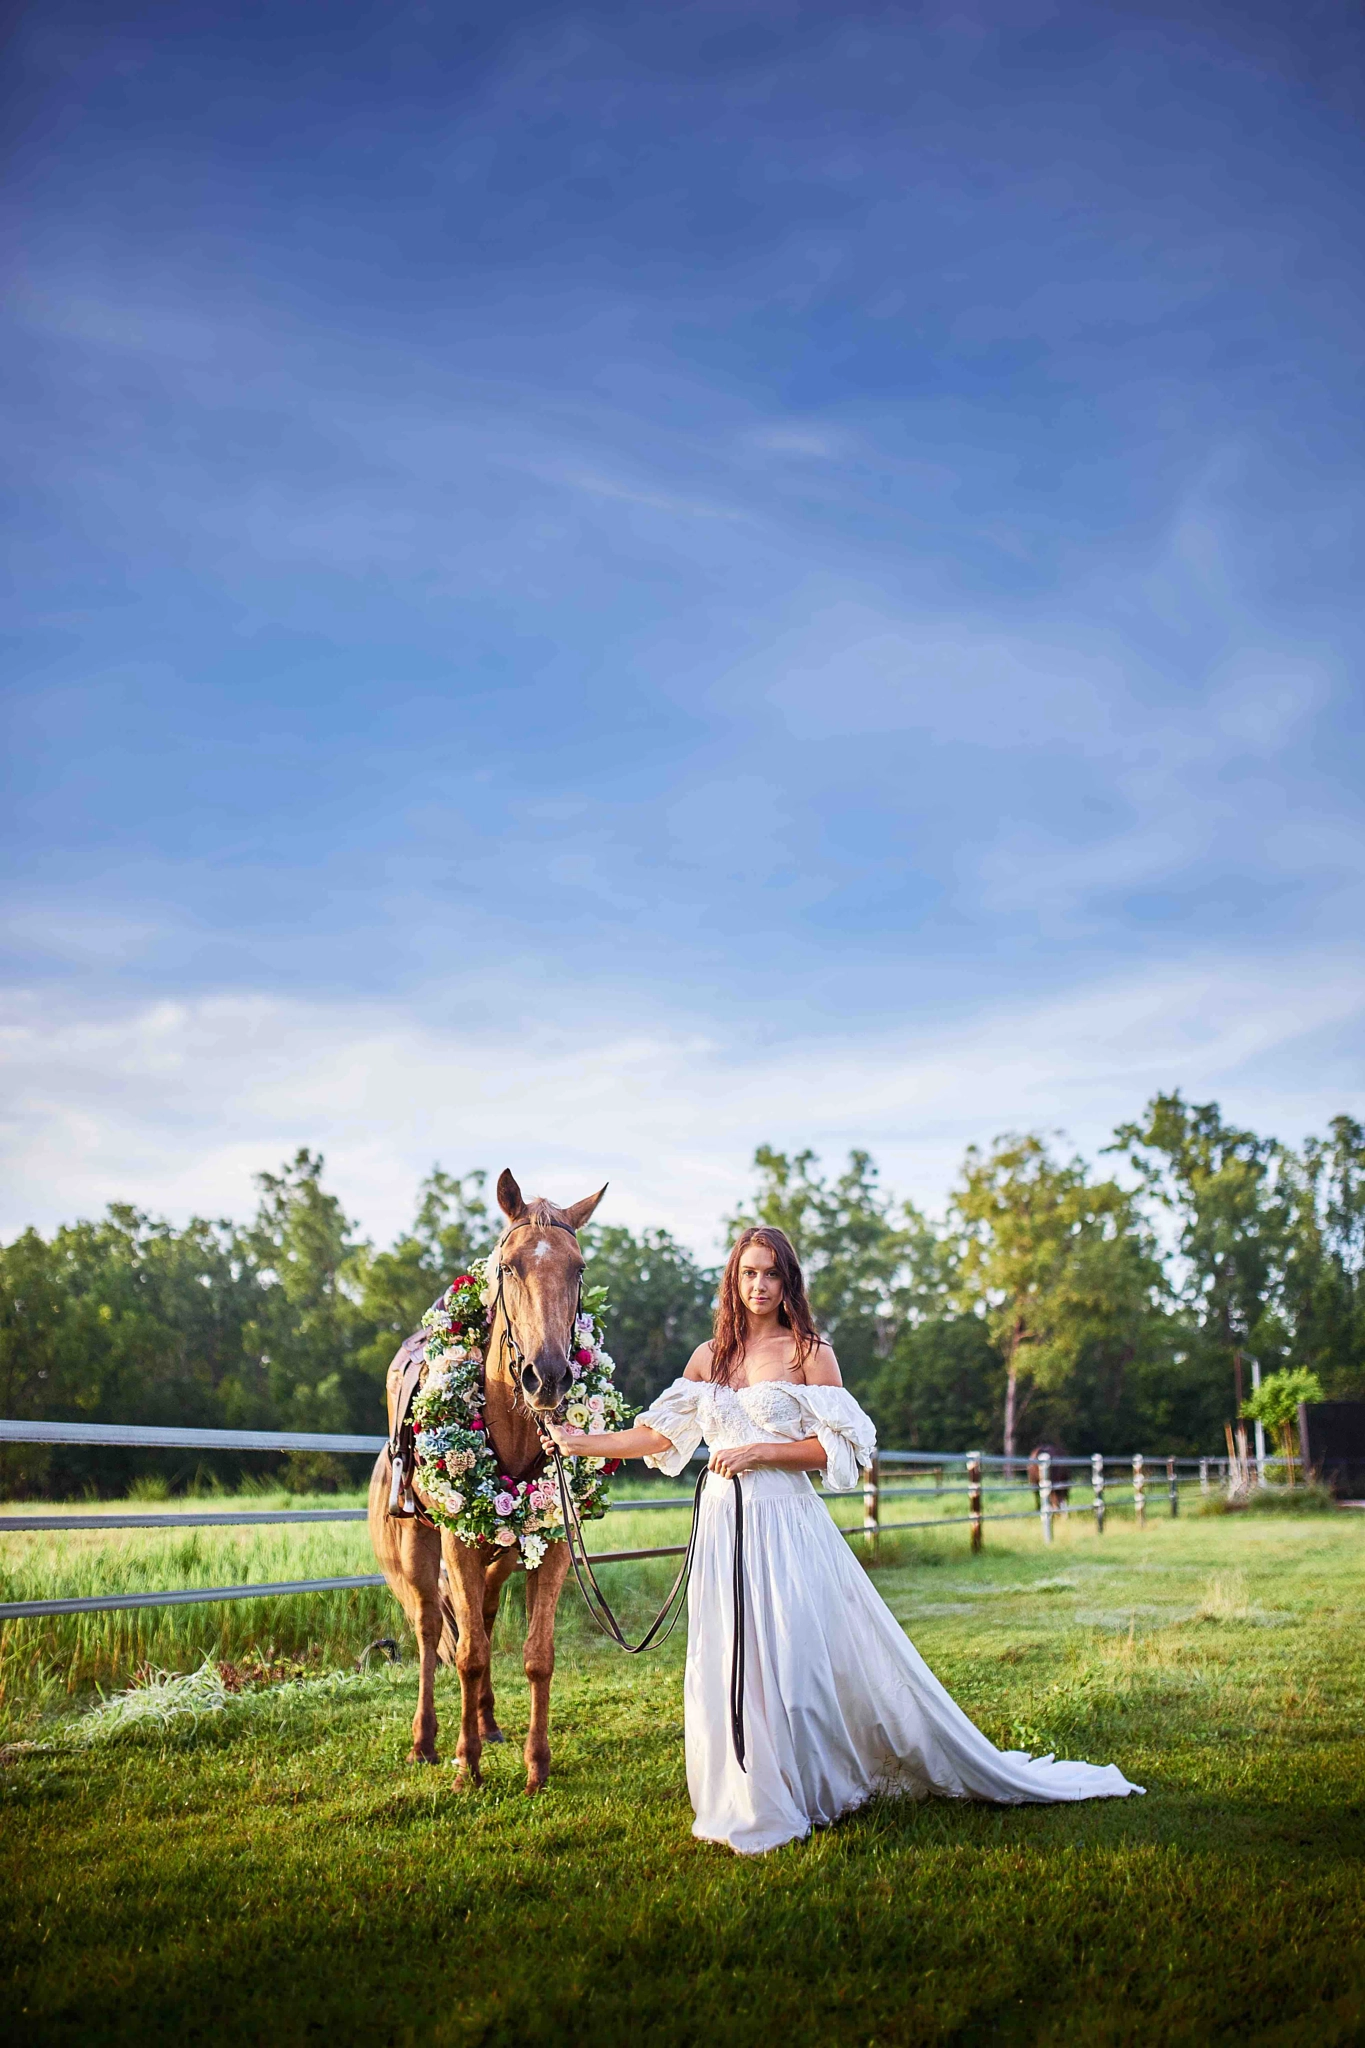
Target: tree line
[{"x": 1103, "y": 1308}]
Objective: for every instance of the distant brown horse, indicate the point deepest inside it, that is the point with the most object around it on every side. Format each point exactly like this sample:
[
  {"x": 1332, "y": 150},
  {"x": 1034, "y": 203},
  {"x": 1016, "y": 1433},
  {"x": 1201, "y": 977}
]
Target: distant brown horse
[{"x": 527, "y": 1378}]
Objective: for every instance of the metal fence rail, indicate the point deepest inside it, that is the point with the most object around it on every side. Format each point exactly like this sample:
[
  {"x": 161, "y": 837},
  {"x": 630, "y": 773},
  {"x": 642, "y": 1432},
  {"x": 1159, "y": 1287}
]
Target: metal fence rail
[
  {"x": 137, "y": 1436},
  {"x": 1051, "y": 1495}
]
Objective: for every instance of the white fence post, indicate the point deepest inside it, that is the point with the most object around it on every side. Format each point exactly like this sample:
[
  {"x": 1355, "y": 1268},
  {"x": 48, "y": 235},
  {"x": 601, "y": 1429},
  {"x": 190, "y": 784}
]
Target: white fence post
[
  {"x": 872, "y": 1506},
  {"x": 1139, "y": 1491},
  {"x": 1097, "y": 1488},
  {"x": 1203, "y": 1475},
  {"x": 1172, "y": 1488},
  {"x": 1045, "y": 1493}
]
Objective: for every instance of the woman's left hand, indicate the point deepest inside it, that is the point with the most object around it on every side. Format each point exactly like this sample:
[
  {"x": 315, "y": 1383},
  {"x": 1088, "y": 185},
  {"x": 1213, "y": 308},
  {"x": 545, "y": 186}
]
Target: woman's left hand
[
  {"x": 563, "y": 1434},
  {"x": 740, "y": 1458}
]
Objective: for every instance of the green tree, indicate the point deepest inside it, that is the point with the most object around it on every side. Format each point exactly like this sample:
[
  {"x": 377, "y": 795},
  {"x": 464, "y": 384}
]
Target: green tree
[
  {"x": 126, "y": 1320},
  {"x": 1275, "y": 1404},
  {"x": 659, "y": 1306},
  {"x": 941, "y": 1388},
  {"x": 310, "y": 1328},
  {"x": 1222, "y": 1186},
  {"x": 858, "y": 1252},
  {"x": 1059, "y": 1267},
  {"x": 1323, "y": 1289},
  {"x": 395, "y": 1288}
]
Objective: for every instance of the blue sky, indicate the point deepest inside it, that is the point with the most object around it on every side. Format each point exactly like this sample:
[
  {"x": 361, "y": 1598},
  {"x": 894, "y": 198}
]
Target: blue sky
[{"x": 597, "y": 586}]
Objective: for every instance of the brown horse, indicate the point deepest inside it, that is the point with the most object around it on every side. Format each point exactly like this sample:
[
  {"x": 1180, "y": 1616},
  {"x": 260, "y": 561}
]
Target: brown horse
[{"x": 527, "y": 1378}]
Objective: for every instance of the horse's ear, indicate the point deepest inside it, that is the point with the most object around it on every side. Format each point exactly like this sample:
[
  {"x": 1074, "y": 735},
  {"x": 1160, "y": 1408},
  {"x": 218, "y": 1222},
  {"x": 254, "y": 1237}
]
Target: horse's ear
[
  {"x": 577, "y": 1214},
  {"x": 509, "y": 1196}
]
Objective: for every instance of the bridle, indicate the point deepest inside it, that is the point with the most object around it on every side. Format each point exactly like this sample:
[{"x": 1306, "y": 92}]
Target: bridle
[{"x": 511, "y": 1349}]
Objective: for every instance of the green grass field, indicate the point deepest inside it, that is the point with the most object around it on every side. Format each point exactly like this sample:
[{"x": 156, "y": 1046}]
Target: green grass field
[{"x": 275, "y": 1871}]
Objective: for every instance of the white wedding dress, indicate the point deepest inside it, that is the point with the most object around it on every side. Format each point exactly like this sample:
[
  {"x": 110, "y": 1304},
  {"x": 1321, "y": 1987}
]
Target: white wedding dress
[{"x": 838, "y": 1704}]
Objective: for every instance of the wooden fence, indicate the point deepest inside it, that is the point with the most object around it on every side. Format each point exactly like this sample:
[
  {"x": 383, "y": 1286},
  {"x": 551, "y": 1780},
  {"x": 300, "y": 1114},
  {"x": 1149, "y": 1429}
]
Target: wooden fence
[{"x": 924, "y": 1475}]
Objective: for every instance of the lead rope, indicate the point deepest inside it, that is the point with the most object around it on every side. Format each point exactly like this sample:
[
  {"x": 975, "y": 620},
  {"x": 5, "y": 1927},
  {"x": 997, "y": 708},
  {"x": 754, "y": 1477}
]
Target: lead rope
[
  {"x": 737, "y": 1641},
  {"x": 595, "y": 1600}
]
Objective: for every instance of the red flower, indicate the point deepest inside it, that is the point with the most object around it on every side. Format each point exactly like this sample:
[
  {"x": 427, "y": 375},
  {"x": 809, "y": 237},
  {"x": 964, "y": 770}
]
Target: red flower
[
  {"x": 583, "y": 1357},
  {"x": 611, "y": 1465},
  {"x": 476, "y": 1422}
]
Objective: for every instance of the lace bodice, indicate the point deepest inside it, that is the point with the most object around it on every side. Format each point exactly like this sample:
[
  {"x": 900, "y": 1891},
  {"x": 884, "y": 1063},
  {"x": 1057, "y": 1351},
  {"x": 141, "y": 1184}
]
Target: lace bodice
[
  {"x": 744, "y": 1415},
  {"x": 691, "y": 1412}
]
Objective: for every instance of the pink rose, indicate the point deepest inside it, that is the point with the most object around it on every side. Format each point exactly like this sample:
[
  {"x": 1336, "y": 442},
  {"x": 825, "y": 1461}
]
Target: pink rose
[
  {"x": 476, "y": 1422},
  {"x": 505, "y": 1536},
  {"x": 504, "y": 1503}
]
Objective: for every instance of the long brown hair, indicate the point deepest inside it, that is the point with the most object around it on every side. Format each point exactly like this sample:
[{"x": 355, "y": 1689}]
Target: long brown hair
[{"x": 732, "y": 1318}]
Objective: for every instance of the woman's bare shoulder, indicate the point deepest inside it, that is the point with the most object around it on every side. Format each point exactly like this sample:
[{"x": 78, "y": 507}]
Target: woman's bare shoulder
[
  {"x": 699, "y": 1365},
  {"x": 820, "y": 1368}
]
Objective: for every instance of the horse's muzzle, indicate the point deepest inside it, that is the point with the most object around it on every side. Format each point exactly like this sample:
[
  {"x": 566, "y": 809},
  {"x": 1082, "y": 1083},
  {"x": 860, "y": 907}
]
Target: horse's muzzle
[{"x": 545, "y": 1385}]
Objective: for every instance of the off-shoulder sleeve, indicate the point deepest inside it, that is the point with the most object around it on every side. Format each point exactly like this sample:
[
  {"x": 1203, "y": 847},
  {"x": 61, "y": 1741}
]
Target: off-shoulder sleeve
[
  {"x": 847, "y": 1436},
  {"x": 675, "y": 1414}
]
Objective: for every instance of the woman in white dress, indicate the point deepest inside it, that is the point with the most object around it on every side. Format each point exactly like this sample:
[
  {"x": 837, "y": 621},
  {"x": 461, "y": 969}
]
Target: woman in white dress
[{"x": 837, "y": 1703}]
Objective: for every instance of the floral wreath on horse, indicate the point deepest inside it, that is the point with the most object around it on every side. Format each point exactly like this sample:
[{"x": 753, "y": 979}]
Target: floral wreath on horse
[{"x": 464, "y": 1489}]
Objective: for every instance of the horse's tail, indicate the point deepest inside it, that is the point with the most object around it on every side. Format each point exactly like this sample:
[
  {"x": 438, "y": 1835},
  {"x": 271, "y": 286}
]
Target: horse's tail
[{"x": 390, "y": 1537}]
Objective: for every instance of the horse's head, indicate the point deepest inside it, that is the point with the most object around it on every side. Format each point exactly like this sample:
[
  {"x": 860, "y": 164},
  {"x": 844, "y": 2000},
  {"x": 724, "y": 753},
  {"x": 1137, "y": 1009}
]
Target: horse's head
[{"x": 537, "y": 1268}]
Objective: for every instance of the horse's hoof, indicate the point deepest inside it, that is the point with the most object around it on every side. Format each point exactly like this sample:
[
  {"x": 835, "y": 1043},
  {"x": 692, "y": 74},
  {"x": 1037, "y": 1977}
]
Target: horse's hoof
[
  {"x": 422, "y": 1756},
  {"x": 493, "y": 1734},
  {"x": 534, "y": 1785},
  {"x": 468, "y": 1778}
]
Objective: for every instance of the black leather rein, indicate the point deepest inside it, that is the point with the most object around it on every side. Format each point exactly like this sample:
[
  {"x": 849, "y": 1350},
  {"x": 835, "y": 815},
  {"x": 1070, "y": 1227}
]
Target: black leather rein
[{"x": 665, "y": 1621}]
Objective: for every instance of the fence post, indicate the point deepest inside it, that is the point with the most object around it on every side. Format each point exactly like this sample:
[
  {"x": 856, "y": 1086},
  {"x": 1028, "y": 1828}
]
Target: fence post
[
  {"x": 1203, "y": 1475},
  {"x": 1045, "y": 1493},
  {"x": 872, "y": 1506},
  {"x": 1097, "y": 1488},
  {"x": 1139, "y": 1491},
  {"x": 1172, "y": 1488},
  {"x": 974, "y": 1496}
]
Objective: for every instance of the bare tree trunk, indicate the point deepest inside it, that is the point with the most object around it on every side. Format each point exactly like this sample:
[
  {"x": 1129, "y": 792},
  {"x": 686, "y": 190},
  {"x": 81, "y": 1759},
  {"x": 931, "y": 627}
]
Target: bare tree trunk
[{"x": 1011, "y": 1395}]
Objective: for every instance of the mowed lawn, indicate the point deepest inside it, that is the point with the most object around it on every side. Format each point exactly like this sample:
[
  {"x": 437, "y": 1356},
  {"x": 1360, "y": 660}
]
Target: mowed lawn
[{"x": 276, "y": 1871}]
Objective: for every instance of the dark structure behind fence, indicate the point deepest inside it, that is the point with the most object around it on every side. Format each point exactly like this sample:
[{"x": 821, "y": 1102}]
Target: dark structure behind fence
[{"x": 1332, "y": 1443}]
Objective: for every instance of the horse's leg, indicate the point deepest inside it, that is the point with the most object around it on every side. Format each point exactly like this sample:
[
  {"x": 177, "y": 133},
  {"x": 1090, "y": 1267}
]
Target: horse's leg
[
  {"x": 543, "y": 1588},
  {"x": 409, "y": 1554},
  {"x": 466, "y": 1570},
  {"x": 495, "y": 1578},
  {"x": 420, "y": 1553}
]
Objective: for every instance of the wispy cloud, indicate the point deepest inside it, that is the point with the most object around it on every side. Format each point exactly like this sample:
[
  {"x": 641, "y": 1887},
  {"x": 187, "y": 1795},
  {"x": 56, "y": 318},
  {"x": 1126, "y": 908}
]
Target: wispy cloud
[{"x": 176, "y": 1104}]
